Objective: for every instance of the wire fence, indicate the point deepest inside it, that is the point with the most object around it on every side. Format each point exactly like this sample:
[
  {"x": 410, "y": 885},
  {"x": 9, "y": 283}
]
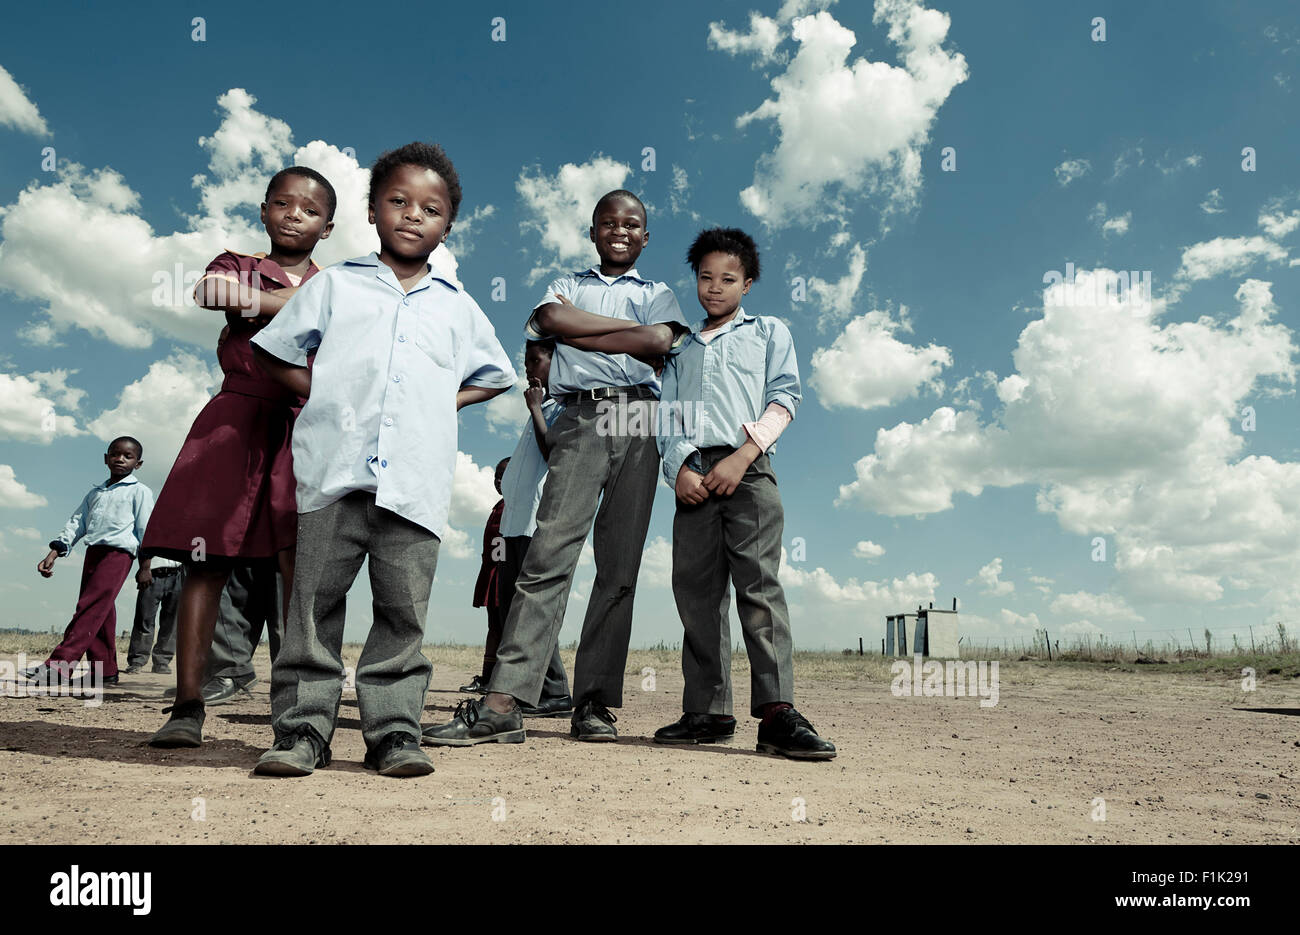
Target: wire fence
[{"x": 1141, "y": 645}]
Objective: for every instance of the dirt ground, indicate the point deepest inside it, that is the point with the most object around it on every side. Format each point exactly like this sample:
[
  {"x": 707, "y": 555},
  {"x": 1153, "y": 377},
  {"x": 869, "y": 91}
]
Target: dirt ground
[{"x": 1176, "y": 759}]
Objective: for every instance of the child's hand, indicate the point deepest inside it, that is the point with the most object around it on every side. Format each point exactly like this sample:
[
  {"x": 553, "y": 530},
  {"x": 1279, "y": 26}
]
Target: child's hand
[
  {"x": 726, "y": 475},
  {"x": 143, "y": 578},
  {"x": 534, "y": 395},
  {"x": 46, "y": 565},
  {"x": 689, "y": 487}
]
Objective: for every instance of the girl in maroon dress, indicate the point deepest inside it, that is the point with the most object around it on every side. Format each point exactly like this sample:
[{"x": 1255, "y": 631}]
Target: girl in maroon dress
[{"x": 230, "y": 495}]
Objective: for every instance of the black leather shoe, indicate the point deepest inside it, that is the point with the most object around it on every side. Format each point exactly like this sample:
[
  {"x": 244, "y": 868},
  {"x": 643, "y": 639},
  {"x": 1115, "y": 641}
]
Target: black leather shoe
[
  {"x": 399, "y": 754},
  {"x": 163, "y": 669},
  {"x": 698, "y": 728},
  {"x": 133, "y": 670},
  {"x": 474, "y": 722},
  {"x": 294, "y": 755},
  {"x": 477, "y": 686},
  {"x": 788, "y": 733},
  {"x": 220, "y": 690},
  {"x": 594, "y": 723},
  {"x": 548, "y": 707},
  {"x": 184, "y": 729}
]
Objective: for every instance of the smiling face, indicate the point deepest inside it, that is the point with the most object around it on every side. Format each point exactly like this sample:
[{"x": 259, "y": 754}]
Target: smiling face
[
  {"x": 122, "y": 458},
  {"x": 411, "y": 213},
  {"x": 296, "y": 213},
  {"x": 619, "y": 233},
  {"x": 720, "y": 283}
]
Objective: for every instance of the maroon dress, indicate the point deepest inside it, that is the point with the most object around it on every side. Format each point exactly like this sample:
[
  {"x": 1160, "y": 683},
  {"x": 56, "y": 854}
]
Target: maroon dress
[{"x": 232, "y": 485}]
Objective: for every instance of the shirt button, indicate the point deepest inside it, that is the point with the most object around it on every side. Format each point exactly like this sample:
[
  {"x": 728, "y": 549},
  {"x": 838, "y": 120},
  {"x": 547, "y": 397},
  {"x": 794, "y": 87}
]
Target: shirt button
[
  {"x": 383, "y": 464},
  {"x": 397, "y": 378},
  {"x": 388, "y": 421},
  {"x": 401, "y": 337},
  {"x": 406, "y": 301}
]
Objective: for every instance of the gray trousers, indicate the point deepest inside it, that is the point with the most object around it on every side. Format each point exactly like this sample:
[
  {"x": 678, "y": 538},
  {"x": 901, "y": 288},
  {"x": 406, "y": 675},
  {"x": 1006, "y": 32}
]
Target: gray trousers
[
  {"x": 163, "y": 595},
  {"x": 250, "y": 604},
  {"x": 737, "y": 537},
  {"x": 393, "y": 674},
  {"x": 556, "y": 683},
  {"x": 597, "y": 473}
]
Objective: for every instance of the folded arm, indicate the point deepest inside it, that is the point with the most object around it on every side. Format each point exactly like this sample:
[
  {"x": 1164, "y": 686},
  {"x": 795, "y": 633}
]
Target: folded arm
[{"x": 290, "y": 376}]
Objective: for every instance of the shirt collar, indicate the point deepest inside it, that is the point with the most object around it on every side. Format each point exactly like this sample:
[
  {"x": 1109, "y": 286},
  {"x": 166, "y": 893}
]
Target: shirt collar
[
  {"x": 384, "y": 273},
  {"x": 595, "y": 271},
  {"x": 272, "y": 270},
  {"x": 129, "y": 479},
  {"x": 739, "y": 319}
]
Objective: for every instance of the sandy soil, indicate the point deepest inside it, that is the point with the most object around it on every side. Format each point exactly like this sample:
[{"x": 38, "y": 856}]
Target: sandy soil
[{"x": 1180, "y": 759}]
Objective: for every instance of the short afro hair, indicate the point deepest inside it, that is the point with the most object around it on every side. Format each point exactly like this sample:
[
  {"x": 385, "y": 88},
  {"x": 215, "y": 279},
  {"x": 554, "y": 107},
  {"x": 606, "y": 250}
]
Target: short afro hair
[
  {"x": 615, "y": 195},
  {"x": 425, "y": 155},
  {"x": 139, "y": 448},
  {"x": 542, "y": 344},
  {"x": 729, "y": 240},
  {"x": 306, "y": 173}
]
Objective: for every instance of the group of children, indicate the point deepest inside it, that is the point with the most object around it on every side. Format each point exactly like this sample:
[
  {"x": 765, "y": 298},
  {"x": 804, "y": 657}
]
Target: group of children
[{"x": 333, "y": 440}]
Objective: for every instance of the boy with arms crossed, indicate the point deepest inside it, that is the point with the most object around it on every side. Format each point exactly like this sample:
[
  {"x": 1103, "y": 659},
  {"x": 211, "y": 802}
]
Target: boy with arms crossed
[{"x": 609, "y": 322}]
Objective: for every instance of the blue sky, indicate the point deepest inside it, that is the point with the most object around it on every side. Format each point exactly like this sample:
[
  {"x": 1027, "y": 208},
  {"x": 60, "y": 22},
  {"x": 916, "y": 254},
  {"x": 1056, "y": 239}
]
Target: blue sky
[{"x": 964, "y": 432}]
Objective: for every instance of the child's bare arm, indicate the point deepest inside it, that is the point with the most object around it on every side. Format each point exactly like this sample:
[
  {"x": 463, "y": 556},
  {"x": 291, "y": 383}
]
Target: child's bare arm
[
  {"x": 290, "y": 376},
  {"x": 563, "y": 319},
  {"x": 469, "y": 395},
  {"x": 533, "y": 396},
  {"x": 226, "y": 294}
]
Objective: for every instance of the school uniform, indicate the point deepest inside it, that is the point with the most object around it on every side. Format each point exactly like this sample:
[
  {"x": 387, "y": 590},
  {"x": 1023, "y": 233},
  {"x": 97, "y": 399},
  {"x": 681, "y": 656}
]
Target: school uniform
[
  {"x": 374, "y": 452},
  {"x": 111, "y": 519},
  {"x": 595, "y": 476},
  {"x": 715, "y": 391},
  {"x": 521, "y": 489},
  {"x": 231, "y": 488},
  {"x": 156, "y": 604}
]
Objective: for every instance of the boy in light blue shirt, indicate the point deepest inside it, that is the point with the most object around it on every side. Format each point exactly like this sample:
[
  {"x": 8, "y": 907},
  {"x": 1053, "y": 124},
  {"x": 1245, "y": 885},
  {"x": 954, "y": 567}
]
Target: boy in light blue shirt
[
  {"x": 111, "y": 519},
  {"x": 611, "y": 325},
  {"x": 399, "y": 350},
  {"x": 729, "y": 391}
]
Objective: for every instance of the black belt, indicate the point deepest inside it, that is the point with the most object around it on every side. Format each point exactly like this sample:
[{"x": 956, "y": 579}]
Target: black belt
[{"x": 607, "y": 392}]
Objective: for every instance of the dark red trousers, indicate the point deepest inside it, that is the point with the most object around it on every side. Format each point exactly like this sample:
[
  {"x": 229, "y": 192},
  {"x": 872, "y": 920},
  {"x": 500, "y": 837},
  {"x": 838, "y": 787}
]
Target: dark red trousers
[{"x": 93, "y": 630}]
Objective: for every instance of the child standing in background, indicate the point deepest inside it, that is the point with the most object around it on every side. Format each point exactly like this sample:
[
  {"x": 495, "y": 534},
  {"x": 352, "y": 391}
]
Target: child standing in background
[
  {"x": 487, "y": 589},
  {"x": 112, "y": 519},
  {"x": 230, "y": 495}
]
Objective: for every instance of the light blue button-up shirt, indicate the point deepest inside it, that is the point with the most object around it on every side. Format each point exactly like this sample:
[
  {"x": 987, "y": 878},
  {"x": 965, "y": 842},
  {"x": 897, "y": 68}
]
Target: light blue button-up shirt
[
  {"x": 711, "y": 390},
  {"x": 628, "y": 297},
  {"x": 521, "y": 485},
  {"x": 110, "y": 514},
  {"x": 382, "y": 411}
]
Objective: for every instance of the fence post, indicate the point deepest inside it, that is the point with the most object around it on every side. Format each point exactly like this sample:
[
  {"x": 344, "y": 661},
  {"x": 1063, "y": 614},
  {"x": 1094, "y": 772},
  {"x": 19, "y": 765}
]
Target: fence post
[{"x": 1048, "y": 638}]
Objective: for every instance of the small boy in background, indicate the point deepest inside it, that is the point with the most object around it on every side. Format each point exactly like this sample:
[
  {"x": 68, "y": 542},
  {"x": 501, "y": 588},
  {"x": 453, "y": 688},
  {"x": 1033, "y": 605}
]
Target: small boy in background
[
  {"x": 399, "y": 351},
  {"x": 739, "y": 375},
  {"x": 522, "y": 486},
  {"x": 156, "y": 603},
  {"x": 487, "y": 587},
  {"x": 111, "y": 518}
]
